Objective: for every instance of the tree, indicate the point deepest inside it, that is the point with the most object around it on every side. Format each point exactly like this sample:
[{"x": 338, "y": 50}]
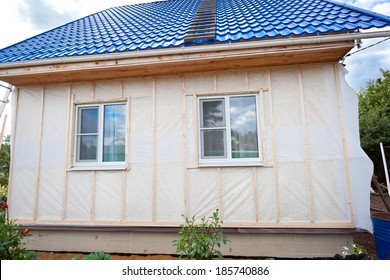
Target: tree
[
  {"x": 374, "y": 120},
  {"x": 4, "y": 166}
]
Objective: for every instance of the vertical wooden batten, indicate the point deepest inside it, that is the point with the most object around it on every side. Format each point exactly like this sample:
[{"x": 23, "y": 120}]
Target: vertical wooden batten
[
  {"x": 219, "y": 182},
  {"x": 92, "y": 209},
  {"x": 263, "y": 128},
  {"x": 344, "y": 141},
  {"x": 67, "y": 151},
  {"x": 39, "y": 151},
  {"x": 154, "y": 151},
  {"x": 272, "y": 124},
  {"x": 15, "y": 101},
  {"x": 196, "y": 136},
  {"x": 184, "y": 144},
  {"x": 254, "y": 186},
  {"x": 309, "y": 181},
  {"x": 123, "y": 197}
]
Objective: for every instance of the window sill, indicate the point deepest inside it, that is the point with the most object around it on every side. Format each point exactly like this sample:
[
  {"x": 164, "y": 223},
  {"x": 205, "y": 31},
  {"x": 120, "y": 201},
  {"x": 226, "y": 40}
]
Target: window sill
[
  {"x": 99, "y": 168},
  {"x": 231, "y": 164}
]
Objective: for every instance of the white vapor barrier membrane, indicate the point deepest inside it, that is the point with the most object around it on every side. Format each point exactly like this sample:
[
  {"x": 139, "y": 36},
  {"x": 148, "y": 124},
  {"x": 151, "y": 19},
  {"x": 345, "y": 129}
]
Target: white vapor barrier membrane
[
  {"x": 361, "y": 167},
  {"x": 82, "y": 91},
  {"x": 169, "y": 192},
  {"x": 199, "y": 82},
  {"x": 141, "y": 123},
  {"x": 258, "y": 79},
  {"x": 238, "y": 204},
  {"x": 78, "y": 196},
  {"x": 53, "y": 152},
  {"x": 106, "y": 90},
  {"x": 190, "y": 132},
  {"x": 320, "y": 167},
  {"x": 24, "y": 173},
  {"x": 231, "y": 81},
  {"x": 293, "y": 194},
  {"x": 265, "y": 190},
  {"x": 138, "y": 193},
  {"x": 202, "y": 192},
  {"x": 169, "y": 120},
  {"x": 330, "y": 201},
  {"x": 286, "y": 97},
  {"x": 108, "y": 196}
]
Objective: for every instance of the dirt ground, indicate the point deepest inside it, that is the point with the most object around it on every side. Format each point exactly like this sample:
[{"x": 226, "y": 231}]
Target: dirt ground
[{"x": 364, "y": 239}]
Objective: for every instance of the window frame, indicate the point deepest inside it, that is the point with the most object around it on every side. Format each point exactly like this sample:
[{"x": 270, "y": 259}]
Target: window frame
[
  {"x": 99, "y": 163},
  {"x": 228, "y": 160}
]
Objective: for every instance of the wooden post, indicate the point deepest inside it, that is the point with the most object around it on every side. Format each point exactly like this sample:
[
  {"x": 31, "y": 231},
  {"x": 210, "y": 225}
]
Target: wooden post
[{"x": 263, "y": 129}]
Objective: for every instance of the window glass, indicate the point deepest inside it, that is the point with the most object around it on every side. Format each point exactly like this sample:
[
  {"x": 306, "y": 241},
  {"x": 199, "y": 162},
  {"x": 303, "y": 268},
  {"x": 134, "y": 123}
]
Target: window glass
[
  {"x": 114, "y": 135},
  {"x": 88, "y": 120},
  {"x": 213, "y": 113},
  {"x": 88, "y": 147},
  {"x": 243, "y": 125},
  {"x": 214, "y": 143}
]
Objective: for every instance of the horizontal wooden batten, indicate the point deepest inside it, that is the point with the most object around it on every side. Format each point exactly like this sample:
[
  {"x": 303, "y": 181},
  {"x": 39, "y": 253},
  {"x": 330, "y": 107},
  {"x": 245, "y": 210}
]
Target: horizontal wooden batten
[
  {"x": 174, "y": 64},
  {"x": 238, "y": 230}
]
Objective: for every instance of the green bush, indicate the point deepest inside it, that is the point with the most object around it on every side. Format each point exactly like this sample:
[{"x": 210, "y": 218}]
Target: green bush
[
  {"x": 97, "y": 256},
  {"x": 200, "y": 241},
  {"x": 12, "y": 238}
]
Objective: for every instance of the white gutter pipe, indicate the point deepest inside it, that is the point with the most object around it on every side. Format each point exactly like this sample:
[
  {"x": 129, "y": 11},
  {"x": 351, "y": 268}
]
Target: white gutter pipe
[{"x": 203, "y": 48}]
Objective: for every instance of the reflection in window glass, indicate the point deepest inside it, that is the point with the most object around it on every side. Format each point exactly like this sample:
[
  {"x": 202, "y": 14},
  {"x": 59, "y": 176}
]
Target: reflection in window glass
[
  {"x": 213, "y": 114},
  {"x": 88, "y": 147},
  {"x": 243, "y": 124},
  {"x": 114, "y": 134},
  {"x": 214, "y": 143}
]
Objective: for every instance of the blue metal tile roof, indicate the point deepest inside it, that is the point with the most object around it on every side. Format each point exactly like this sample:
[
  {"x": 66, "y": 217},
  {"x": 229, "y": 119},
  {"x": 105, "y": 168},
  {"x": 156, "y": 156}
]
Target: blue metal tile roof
[{"x": 166, "y": 23}]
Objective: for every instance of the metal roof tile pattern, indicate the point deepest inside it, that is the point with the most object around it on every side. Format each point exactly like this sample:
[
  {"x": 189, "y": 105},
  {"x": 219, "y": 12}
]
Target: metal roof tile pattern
[{"x": 166, "y": 24}]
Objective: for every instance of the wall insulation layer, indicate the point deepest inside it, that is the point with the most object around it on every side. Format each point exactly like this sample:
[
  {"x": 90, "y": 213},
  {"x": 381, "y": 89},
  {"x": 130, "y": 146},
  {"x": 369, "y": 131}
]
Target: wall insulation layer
[{"x": 314, "y": 173}]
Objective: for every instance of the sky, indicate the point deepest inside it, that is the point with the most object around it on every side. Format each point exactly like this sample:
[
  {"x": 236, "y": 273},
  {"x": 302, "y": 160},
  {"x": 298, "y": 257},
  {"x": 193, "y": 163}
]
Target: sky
[{"x": 22, "y": 19}]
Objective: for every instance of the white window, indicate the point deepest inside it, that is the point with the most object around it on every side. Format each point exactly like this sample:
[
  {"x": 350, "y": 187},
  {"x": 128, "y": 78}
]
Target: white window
[
  {"x": 229, "y": 130},
  {"x": 100, "y": 134}
]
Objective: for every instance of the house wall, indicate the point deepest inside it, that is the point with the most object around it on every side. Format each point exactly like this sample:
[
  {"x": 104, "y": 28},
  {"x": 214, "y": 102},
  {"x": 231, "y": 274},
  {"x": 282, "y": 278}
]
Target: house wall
[{"x": 314, "y": 175}]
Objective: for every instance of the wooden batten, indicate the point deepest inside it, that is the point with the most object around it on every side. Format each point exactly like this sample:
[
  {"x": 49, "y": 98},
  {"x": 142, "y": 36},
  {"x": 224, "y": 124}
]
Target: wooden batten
[
  {"x": 263, "y": 128},
  {"x": 68, "y": 151},
  {"x": 15, "y": 102},
  {"x": 309, "y": 181},
  {"x": 344, "y": 142},
  {"x": 92, "y": 209},
  {"x": 154, "y": 152},
  {"x": 254, "y": 188},
  {"x": 123, "y": 197},
  {"x": 272, "y": 124},
  {"x": 219, "y": 183},
  {"x": 39, "y": 149},
  {"x": 128, "y": 132},
  {"x": 184, "y": 123},
  {"x": 175, "y": 64},
  {"x": 196, "y": 136}
]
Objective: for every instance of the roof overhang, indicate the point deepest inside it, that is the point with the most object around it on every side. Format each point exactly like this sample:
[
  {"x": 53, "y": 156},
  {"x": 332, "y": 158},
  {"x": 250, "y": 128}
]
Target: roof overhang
[{"x": 275, "y": 52}]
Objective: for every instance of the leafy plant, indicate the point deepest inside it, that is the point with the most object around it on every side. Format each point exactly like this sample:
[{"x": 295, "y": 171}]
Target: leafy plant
[
  {"x": 97, "y": 256},
  {"x": 201, "y": 241},
  {"x": 358, "y": 253},
  {"x": 374, "y": 120},
  {"x": 12, "y": 238}
]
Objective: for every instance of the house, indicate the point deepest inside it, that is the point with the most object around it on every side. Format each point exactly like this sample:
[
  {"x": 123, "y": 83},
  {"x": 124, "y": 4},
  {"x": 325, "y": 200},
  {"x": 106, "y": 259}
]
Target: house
[{"x": 127, "y": 119}]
